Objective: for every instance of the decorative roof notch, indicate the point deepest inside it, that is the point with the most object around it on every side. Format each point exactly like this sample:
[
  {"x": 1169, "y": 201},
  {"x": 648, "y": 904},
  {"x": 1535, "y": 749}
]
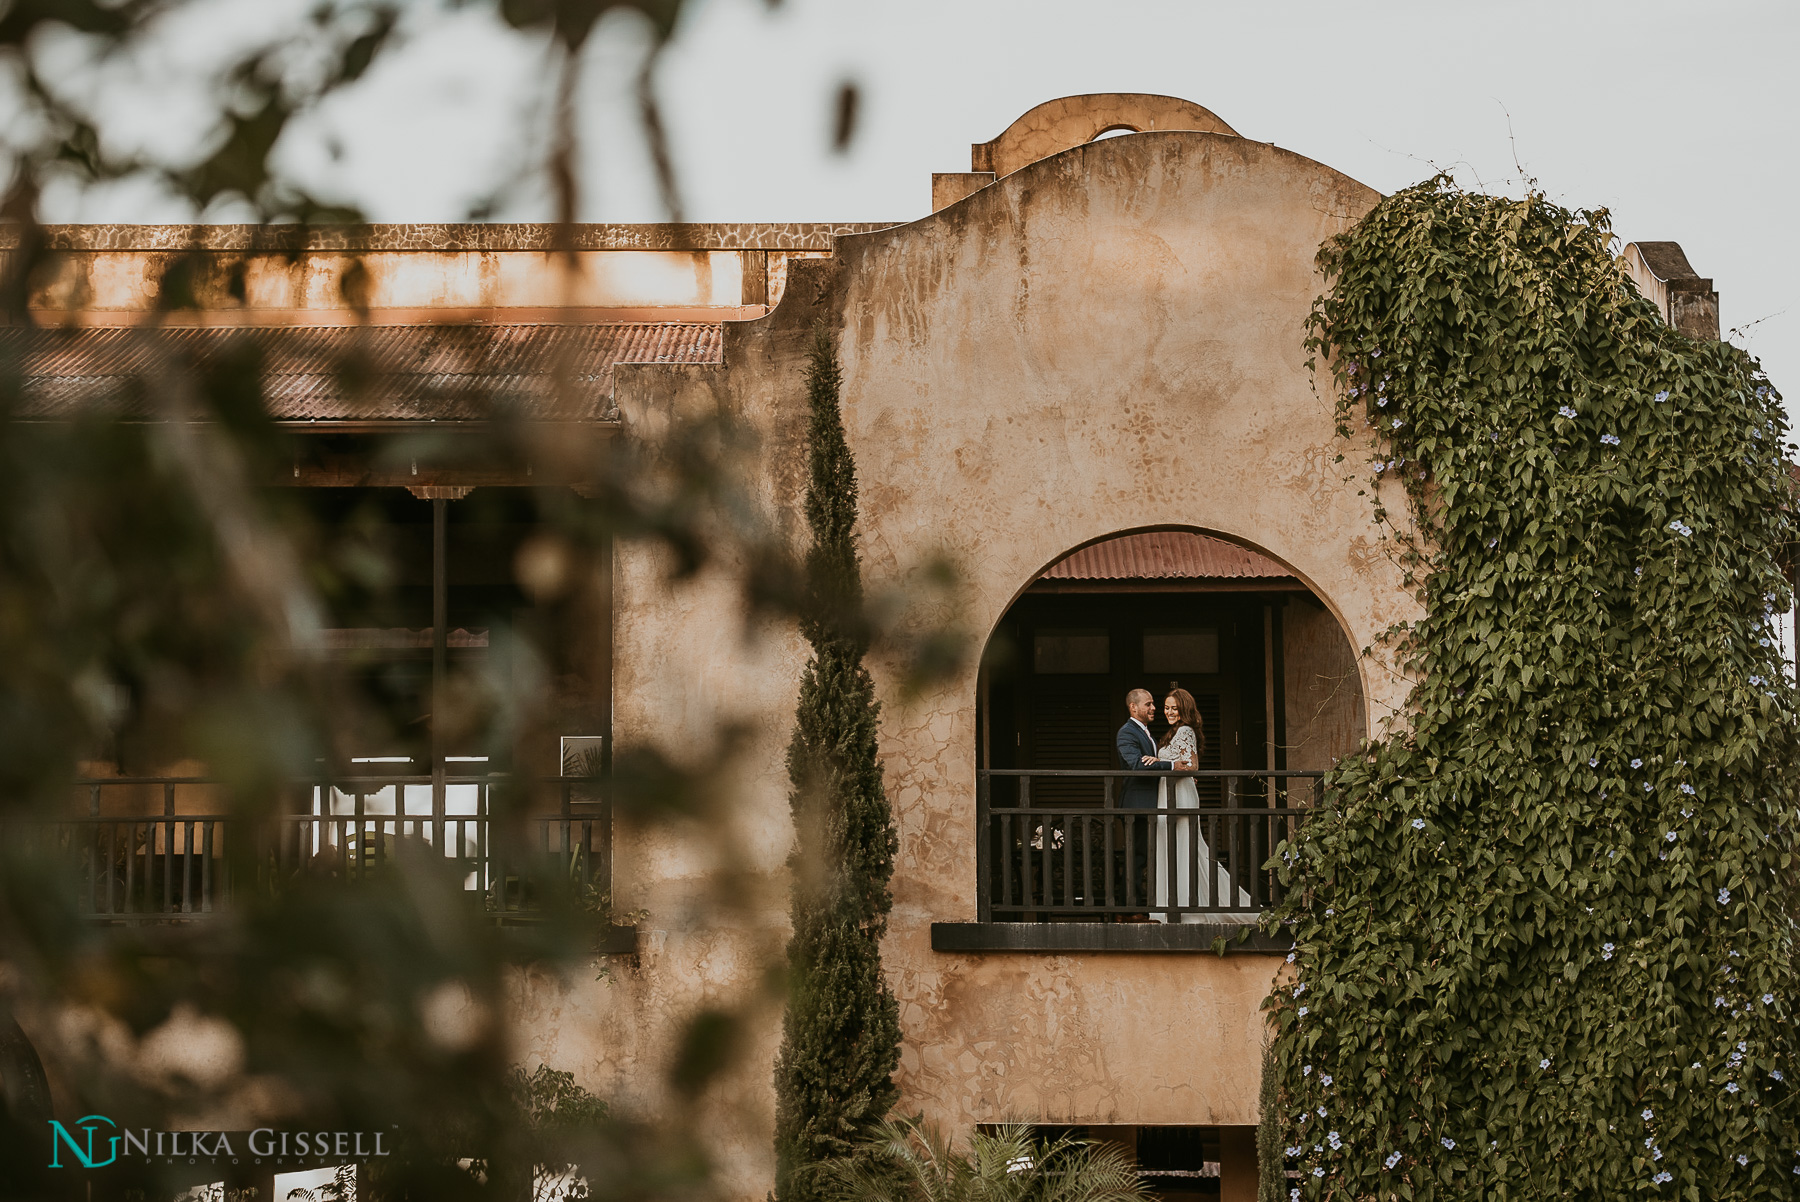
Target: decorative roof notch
[{"x": 1063, "y": 124}]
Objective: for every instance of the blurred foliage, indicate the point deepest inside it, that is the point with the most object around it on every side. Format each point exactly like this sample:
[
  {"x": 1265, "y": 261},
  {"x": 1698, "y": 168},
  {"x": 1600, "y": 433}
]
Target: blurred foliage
[{"x": 161, "y": 604}]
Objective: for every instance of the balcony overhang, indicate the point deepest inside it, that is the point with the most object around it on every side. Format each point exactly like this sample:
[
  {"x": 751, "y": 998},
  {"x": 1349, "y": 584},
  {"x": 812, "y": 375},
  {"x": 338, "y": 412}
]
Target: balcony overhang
[{"x": 1219, "y": 938}]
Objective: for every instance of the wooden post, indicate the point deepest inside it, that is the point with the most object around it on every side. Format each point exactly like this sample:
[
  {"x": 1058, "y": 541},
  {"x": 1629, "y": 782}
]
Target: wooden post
[
  {"x": 1237, "y": 1164},
  {"x": 440, "y": 659}
]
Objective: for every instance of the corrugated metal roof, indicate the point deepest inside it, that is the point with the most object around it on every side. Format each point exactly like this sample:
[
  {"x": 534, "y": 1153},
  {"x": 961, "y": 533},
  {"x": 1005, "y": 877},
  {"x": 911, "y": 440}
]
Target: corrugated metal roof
[
  {"x": 373, "y": 373},
  {"x": 1165, "y": 555}
]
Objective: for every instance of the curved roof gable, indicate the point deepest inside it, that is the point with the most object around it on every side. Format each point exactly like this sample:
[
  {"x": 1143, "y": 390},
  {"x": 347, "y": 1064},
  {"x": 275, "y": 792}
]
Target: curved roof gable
[{"x": 1070, "y": 121}]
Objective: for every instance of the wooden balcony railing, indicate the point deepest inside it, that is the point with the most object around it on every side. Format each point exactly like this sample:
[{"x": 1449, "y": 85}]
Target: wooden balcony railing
[
  {"x": 133, "y": 866},
  {"x": 1058, "y": 846}
]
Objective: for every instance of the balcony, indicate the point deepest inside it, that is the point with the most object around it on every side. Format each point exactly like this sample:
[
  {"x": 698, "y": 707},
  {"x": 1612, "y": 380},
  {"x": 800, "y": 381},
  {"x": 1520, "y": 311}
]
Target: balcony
[
  {"x": 189, "y": 862},
  {"x": 1062, "y": 866}
]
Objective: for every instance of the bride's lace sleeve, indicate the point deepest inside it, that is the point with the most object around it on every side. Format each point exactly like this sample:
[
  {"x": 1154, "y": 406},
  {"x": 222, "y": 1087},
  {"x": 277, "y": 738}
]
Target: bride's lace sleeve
[{"x": 1183, "y": 745}]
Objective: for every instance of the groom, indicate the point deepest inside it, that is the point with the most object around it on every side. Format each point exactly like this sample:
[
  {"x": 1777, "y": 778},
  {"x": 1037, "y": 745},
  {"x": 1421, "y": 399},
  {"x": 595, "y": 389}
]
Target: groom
[
  {"x": 1137, "y": 752},
  {"x": 1137, "y": 755}
]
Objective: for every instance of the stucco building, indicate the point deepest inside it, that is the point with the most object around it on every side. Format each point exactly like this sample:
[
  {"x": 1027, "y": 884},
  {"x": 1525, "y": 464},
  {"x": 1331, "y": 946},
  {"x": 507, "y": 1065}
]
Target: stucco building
[{"x": 1080, "y": 378}]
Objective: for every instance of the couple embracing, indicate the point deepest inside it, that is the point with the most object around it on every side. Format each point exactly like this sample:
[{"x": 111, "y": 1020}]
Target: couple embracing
[{"x": 1189, "y": 861}]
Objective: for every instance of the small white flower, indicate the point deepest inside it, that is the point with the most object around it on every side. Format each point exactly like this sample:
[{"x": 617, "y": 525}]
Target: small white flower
[
  {"x": 1611, "y": 440},
  {"x": 1303, "y": 1012},
  {"x": 1768, "y": 999},
  {"x": 1742, "y": 1159},
  {"x": 1545, "y": 1063},
  {"x": 1776, "y": 1073},
  {"x": 1688, "y": 789},
  {"x": 1648, "y": 1115},
  {"x": 1306, "y": 1071},
  {"x": 1670, "y": 836},
  {"x": 1566, "y": 411},
  {"x": 1448, "y": 1143},
  {"x": 1393, "y": 1160},
  {"x": 1418, "y": 824},
  {"x": 1325, "y": 1080},
  {"x": 1290, "y": 957},
  {"x": 1663, "y": 395},
  {"x": 1724, "y": 896},
  {"x": 1321, "y": 1112},
  {"x": 1637, "y": 763},
  {"x": 1606, "y": 951},
  {"x": 1318, "y": 1172},
  {"x": 1294, "y": 1151}
]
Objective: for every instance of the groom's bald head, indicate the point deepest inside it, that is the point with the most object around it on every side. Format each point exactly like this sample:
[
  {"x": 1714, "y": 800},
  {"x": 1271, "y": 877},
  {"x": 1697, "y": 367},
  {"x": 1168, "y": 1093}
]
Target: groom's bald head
[{"x": 1139, "y": 704}]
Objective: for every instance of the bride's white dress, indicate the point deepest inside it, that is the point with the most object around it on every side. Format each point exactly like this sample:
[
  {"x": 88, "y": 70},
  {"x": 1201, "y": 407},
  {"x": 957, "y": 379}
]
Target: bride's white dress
[{"x": 1193, "y": 859}]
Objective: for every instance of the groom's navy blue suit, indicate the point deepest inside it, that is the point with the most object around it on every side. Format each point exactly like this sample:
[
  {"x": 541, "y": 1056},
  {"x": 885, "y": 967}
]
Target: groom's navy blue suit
[{"x": 1138, "y": 793}]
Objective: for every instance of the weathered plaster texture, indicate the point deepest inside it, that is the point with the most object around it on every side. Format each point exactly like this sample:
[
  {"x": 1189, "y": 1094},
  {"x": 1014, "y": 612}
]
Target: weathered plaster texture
[{"x": 1105, "y": 341}]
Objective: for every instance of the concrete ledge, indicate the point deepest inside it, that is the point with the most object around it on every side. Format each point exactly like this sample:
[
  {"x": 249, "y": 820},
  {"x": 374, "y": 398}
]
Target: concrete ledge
[{"x": 1213, "y": 937}]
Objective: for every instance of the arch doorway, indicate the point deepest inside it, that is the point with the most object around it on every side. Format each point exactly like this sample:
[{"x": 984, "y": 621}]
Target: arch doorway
[{"x": 1273, "y": 676}]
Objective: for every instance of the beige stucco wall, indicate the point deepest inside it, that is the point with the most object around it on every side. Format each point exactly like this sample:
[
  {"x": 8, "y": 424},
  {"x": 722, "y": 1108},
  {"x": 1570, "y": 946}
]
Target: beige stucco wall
[{"x": 1107, "y": 340}]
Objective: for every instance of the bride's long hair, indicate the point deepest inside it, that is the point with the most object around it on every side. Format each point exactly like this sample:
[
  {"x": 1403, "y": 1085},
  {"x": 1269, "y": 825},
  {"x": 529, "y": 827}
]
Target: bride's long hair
[{"x": 1190, "y": 716}]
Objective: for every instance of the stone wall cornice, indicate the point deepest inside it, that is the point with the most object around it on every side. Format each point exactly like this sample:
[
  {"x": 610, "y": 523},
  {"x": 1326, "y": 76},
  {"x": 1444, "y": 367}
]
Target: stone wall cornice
[{"x": 452, "y": 237}]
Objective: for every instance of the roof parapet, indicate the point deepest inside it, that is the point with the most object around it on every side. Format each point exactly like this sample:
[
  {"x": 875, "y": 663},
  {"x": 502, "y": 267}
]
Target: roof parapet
[
  {"x": 1063, "y": 124},
  {"x": 1686, "y": 299}
]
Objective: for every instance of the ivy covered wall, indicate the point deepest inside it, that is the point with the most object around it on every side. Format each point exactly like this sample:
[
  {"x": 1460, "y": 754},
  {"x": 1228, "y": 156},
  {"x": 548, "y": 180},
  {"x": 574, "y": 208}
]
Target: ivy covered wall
[{"x": 1545, "y": 938}]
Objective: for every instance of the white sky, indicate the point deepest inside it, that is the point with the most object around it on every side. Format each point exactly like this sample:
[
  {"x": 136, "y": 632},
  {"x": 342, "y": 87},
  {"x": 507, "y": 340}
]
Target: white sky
[{"x": 1682, "y": 118}]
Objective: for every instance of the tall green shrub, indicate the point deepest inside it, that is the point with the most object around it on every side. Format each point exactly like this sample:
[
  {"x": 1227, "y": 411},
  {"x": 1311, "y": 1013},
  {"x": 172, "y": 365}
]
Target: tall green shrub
[
  {"x": 1545, "y": 938},
  {"x": 841, "y": 1034}
]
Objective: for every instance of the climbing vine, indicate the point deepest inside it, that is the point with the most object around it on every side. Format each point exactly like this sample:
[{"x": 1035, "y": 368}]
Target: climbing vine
[{"x": 1544, "y": 939}]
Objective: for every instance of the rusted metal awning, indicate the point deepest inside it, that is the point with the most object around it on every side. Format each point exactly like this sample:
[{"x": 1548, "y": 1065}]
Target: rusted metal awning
[
  {"x": 1166, "y": 558},
  {"x": 357, "y": 374}
]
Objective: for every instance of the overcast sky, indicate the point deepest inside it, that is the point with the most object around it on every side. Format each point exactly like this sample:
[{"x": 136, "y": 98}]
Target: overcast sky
[{"x": 1682, "y": 118}]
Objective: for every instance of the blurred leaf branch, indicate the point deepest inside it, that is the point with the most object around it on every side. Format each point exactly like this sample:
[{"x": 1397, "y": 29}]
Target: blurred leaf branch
[{"x": 162, "y": 603}]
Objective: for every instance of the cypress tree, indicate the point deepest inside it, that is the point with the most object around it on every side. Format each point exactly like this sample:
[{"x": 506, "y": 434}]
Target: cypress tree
[
  {"x": 841, "y": 1033},
  {"x": 1271, "y": 1161}
]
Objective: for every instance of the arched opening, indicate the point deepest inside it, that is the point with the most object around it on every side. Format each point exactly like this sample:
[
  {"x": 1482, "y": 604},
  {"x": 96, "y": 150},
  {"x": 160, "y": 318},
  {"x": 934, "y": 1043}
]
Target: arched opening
[
  {"x": 1113, "y": 131},
  {"x": 1279, "y": 699}
]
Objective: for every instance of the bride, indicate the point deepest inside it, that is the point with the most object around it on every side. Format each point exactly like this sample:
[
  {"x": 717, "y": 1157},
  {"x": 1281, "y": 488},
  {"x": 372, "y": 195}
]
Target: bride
[{"x": 1182, "y": 744}]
